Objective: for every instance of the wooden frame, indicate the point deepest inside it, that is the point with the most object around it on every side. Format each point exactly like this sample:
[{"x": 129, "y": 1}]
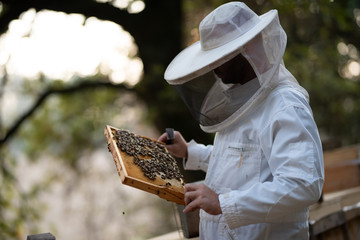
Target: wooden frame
[{"x": 132, "y": 175}]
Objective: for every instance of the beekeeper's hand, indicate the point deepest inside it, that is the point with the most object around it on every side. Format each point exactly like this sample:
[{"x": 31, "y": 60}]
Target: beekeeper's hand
[
  {"x": 178, "y": 147},
  {"x": 200, "y": 196}
]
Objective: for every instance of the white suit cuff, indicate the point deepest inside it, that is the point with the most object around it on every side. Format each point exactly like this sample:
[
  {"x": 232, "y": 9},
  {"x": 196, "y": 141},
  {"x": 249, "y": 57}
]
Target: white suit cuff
[{"x": 197, "y": 156}]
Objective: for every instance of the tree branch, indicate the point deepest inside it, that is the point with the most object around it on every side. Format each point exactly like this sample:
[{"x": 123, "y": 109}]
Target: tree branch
[
  {"x": 89, "y": 8},
  {"x": 68, "y": 90}
]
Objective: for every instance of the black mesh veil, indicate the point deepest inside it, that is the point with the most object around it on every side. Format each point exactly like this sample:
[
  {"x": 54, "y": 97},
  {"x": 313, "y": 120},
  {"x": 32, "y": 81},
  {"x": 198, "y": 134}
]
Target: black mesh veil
[
  {"x": 210, "y": 101},
  {"x": 193, "y": 94}
]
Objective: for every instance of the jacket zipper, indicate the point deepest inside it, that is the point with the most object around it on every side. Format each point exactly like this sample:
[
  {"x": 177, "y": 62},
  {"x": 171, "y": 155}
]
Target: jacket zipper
[{"x": 227, "y": 232}]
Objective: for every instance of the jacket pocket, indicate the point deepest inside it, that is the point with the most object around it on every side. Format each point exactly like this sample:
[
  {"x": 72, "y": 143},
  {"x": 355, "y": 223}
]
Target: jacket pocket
[{"x": 242, "y": 164}]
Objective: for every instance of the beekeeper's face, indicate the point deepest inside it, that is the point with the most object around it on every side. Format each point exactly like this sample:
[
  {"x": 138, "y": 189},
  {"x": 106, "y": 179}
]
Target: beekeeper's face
[{"x": 236, "y": 70}]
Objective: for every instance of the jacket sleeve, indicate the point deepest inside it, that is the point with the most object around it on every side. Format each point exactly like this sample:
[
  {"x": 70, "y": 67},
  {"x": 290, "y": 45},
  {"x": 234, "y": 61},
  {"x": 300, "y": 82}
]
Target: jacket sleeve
[
  {"x": 198, "y": 156},
  {"x": 291, "y": 144}
]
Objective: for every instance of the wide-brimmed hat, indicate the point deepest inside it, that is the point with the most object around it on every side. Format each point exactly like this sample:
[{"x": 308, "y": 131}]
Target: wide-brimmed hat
[{"x": 222, "y": 34}]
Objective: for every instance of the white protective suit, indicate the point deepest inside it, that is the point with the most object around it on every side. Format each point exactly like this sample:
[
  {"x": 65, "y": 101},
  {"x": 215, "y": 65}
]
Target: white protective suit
[
  {"x": 267, "y": 169},
  {"x": 266, "y": 162}
]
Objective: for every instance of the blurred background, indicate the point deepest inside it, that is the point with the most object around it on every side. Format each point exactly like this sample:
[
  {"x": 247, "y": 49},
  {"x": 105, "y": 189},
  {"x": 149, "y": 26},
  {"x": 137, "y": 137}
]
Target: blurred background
[{"x": 69, "y": 68}]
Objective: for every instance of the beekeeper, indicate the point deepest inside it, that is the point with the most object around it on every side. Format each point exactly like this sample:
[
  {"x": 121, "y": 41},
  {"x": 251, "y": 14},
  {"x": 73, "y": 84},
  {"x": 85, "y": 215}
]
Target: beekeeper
[{"x": 266, "y": 166}]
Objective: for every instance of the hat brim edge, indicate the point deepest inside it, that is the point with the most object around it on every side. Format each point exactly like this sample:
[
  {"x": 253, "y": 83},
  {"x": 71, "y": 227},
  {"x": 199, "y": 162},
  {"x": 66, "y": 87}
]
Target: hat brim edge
[{"x": 193, "y": 62}]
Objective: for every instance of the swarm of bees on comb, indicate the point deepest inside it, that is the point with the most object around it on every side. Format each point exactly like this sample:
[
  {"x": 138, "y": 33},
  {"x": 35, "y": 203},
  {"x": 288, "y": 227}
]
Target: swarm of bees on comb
[{"x": 151, "y": 156}]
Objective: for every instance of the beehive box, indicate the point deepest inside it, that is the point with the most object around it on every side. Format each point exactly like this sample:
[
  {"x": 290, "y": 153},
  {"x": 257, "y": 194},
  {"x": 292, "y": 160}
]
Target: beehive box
[{"x": 138, "y": 170}]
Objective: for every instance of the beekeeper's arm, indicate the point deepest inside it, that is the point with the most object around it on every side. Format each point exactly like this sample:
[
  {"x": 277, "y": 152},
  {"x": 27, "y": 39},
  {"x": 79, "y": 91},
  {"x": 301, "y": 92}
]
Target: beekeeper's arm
[{"x": 293, "y": 150}]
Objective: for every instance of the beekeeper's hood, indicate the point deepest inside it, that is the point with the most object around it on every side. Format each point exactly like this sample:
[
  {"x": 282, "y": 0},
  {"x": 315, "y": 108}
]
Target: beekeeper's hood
[{"x": 228, "y": 31}]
